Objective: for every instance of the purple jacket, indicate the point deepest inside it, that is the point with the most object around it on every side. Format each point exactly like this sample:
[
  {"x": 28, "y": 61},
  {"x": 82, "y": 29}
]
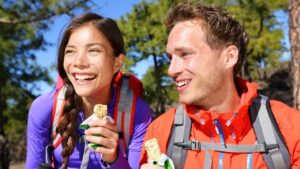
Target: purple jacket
[{"x": 39, "y": 133}]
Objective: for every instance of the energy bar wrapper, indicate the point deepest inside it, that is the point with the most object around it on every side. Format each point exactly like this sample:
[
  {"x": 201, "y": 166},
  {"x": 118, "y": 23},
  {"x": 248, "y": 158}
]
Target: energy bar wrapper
[{"x": 155, "y": 156}]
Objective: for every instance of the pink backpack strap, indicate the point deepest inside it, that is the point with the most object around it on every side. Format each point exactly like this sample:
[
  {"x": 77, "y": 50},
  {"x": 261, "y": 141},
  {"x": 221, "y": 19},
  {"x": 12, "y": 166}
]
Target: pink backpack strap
[{"x": 57, "y": 113}]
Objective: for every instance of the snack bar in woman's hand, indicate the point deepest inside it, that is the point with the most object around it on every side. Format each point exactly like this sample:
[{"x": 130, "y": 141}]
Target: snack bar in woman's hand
[{"x": 100, "y": 111}]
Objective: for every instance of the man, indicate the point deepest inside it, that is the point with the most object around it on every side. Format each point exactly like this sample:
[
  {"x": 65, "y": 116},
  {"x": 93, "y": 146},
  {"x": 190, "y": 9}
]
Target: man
[{"x": 206, "y": 48}]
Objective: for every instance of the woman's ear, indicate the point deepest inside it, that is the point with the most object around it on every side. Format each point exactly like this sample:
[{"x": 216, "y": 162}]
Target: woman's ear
[
  {"x": 231, "y": 56},
  {"x": 119, "y": 61}
]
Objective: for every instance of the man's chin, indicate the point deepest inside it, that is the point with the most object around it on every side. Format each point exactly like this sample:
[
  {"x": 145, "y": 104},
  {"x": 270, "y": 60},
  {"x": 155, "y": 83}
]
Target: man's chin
[{"x": 185, "y": 100}]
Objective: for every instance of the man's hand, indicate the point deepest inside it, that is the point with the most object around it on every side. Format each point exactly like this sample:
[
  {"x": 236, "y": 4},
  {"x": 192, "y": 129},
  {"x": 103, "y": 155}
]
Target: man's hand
[
  {"x": 109, "y": 138},
  {"x": 150, "y": 166}
]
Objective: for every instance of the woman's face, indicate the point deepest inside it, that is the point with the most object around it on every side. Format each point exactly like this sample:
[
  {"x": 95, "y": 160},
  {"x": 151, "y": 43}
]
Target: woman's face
[{"x": 90, "y": 64}]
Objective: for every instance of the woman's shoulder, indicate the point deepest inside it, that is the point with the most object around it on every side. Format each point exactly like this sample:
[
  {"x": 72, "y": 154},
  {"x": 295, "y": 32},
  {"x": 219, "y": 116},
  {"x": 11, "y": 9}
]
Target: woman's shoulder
[
  {"x": 44, "y": 101},
  {"x": 41, "y": 108}
]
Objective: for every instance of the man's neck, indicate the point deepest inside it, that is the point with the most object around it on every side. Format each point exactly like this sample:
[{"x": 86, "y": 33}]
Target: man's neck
[{"x": 226, "y": 99}]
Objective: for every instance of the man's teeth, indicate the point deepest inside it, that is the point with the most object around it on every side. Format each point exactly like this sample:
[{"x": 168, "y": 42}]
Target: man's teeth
[
  {"x": 84, "y": 77},
  {"x": 182, "y": 83}
]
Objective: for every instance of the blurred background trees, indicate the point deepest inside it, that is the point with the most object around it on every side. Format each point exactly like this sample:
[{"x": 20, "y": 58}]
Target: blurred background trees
[
  {"x": 22, "y": 27},
  {"x": 146, "y": 36}
]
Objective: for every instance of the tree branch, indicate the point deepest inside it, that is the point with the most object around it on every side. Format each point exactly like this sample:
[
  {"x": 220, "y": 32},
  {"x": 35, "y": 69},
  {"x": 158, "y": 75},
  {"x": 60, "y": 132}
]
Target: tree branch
[{"x": 38, "y": 17}]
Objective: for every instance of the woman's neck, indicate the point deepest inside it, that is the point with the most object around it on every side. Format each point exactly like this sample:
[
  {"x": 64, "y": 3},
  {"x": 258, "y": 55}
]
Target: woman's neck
[{"x": 90, "y": 102}]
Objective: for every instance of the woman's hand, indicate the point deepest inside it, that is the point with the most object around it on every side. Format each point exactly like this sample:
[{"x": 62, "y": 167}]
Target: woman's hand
[{"x": 109, "y": 138}]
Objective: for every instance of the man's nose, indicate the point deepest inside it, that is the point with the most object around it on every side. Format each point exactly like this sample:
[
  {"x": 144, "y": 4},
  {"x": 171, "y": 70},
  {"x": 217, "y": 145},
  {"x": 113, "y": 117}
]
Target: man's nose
[{"x": 175, "y": 67}]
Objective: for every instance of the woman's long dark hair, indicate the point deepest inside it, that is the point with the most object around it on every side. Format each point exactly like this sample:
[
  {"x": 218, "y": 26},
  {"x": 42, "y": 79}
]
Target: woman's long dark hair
[{"x": 73, "y": 103}]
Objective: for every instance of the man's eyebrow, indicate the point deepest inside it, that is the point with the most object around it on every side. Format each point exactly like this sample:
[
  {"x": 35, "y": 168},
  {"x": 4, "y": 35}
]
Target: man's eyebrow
[{"x": 180, "y": 49}]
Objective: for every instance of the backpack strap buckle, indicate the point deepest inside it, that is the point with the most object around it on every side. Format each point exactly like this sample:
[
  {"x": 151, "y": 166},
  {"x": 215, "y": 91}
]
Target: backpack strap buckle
[
  {"x": 270, "y": 147},
  {"x": 189, "y": 145}
]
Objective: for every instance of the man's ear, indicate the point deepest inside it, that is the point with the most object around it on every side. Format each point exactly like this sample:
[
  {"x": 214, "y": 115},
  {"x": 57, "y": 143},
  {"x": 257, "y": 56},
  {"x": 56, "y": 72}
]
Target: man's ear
[
  {"x": 231, "y": 56},
  {"x": 119, "y": 61}
]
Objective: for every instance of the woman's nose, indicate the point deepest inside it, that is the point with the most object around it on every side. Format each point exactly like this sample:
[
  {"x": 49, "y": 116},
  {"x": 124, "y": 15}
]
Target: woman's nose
[{"x": 81, "y": 60}]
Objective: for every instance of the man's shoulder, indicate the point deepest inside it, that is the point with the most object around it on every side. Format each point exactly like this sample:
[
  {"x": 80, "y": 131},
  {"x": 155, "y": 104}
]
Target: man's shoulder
[
  {"x": 161, "y": 127},
  {"x": 286, "y": 117},
  {"x": 279, "y": 107},
  {"x": 164, "y": 120}
]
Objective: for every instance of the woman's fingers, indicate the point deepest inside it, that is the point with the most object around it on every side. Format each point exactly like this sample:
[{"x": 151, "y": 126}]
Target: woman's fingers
[
  {"x": 106, "y": 122},
  {"x": 105, "y": 142},
  {"x": 103, "y": 131}
]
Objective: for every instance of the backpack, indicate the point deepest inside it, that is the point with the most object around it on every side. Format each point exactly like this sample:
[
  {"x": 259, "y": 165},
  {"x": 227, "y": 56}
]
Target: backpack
[
  {"x": 270, "y": 140},
  {"x": 128, "y": 88}
]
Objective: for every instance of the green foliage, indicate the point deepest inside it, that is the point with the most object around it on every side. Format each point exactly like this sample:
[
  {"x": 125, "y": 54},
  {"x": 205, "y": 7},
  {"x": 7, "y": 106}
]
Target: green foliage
[
  {"x": 144, "y": 33},
  {"x": 167, "y": 95},
  {"x": 22, "y": 26},
  {"x": 146, "y": 36},
  {"x": 265, "y": 32}
]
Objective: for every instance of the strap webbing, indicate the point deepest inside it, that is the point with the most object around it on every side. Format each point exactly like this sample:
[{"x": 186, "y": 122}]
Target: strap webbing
[
  {"x": 58, "y": 111},
  {"x": 181, "y": 129},
  {"x": 86, "y": 155},
  {"x": 231, "y": 148},
  {"x": 208, "y": 160},
  {"x": 124, "y": 111},
  {"x": 267, "y": 132},
  {"x": 270, "y": 141}
]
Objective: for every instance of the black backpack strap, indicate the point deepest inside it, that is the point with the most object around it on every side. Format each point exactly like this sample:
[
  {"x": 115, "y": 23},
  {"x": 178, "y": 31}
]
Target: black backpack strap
[
  {"x": 180, "y": 133},
  {"x": 267, "y": 132}
]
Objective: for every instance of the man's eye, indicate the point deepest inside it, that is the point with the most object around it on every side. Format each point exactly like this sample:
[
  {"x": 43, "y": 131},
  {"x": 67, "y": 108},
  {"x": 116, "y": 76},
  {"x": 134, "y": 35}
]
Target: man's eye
[{"x": 184, "y": 53}]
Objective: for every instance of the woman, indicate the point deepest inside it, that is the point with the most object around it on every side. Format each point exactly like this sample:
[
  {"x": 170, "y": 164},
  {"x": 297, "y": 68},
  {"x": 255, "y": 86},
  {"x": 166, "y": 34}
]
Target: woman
[{"x": 90, "y": 55}]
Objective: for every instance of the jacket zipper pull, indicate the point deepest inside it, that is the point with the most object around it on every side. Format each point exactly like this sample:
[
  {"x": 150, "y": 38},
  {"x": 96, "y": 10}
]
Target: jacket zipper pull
[
  {"x": 230, "y": 120},
  {"x": 216, "y": 128},
  {"x": 202, "y": 121}
]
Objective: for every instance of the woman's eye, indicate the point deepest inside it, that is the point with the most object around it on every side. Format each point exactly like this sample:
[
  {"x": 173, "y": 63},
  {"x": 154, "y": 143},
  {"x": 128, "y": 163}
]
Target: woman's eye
[
  {"x": 94, "y": 51},
  {"x": 68, "y": 52}
]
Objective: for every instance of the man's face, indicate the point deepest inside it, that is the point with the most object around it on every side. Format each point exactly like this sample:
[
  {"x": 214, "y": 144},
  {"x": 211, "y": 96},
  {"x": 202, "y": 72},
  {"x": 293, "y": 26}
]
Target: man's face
[{"x": 197, "y": 70}]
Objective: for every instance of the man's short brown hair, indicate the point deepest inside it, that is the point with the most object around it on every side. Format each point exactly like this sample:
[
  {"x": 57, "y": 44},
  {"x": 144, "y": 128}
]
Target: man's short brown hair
[{"x": 220, "y": 28}]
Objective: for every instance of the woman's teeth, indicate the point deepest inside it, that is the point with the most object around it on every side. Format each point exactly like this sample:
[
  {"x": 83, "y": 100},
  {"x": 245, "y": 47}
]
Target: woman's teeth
[{"x": 84, "y": 77}]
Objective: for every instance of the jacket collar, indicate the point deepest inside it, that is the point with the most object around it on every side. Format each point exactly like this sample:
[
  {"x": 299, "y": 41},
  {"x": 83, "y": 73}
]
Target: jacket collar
[{"x": 235, "y": 123}]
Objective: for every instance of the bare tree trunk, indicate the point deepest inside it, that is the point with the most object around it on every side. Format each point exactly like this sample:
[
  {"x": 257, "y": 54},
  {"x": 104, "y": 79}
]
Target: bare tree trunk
[
  {"x": 4, "y": 151},
  {"x": 160, "y": 102},
  {"x": 294, "y": 11}
]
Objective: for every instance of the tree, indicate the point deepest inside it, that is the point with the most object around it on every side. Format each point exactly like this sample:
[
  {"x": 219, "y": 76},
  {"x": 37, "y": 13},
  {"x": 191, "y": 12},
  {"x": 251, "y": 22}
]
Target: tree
[
  {"x": 265, "y": 46},
  {"x": 22, "y": 24},
  {"x": 294, "y": 11},
  {"x": 145, "y": 37}
]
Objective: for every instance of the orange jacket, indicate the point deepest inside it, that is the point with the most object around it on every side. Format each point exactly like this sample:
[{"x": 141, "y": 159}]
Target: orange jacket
[{"x": 287, "y": 119}]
